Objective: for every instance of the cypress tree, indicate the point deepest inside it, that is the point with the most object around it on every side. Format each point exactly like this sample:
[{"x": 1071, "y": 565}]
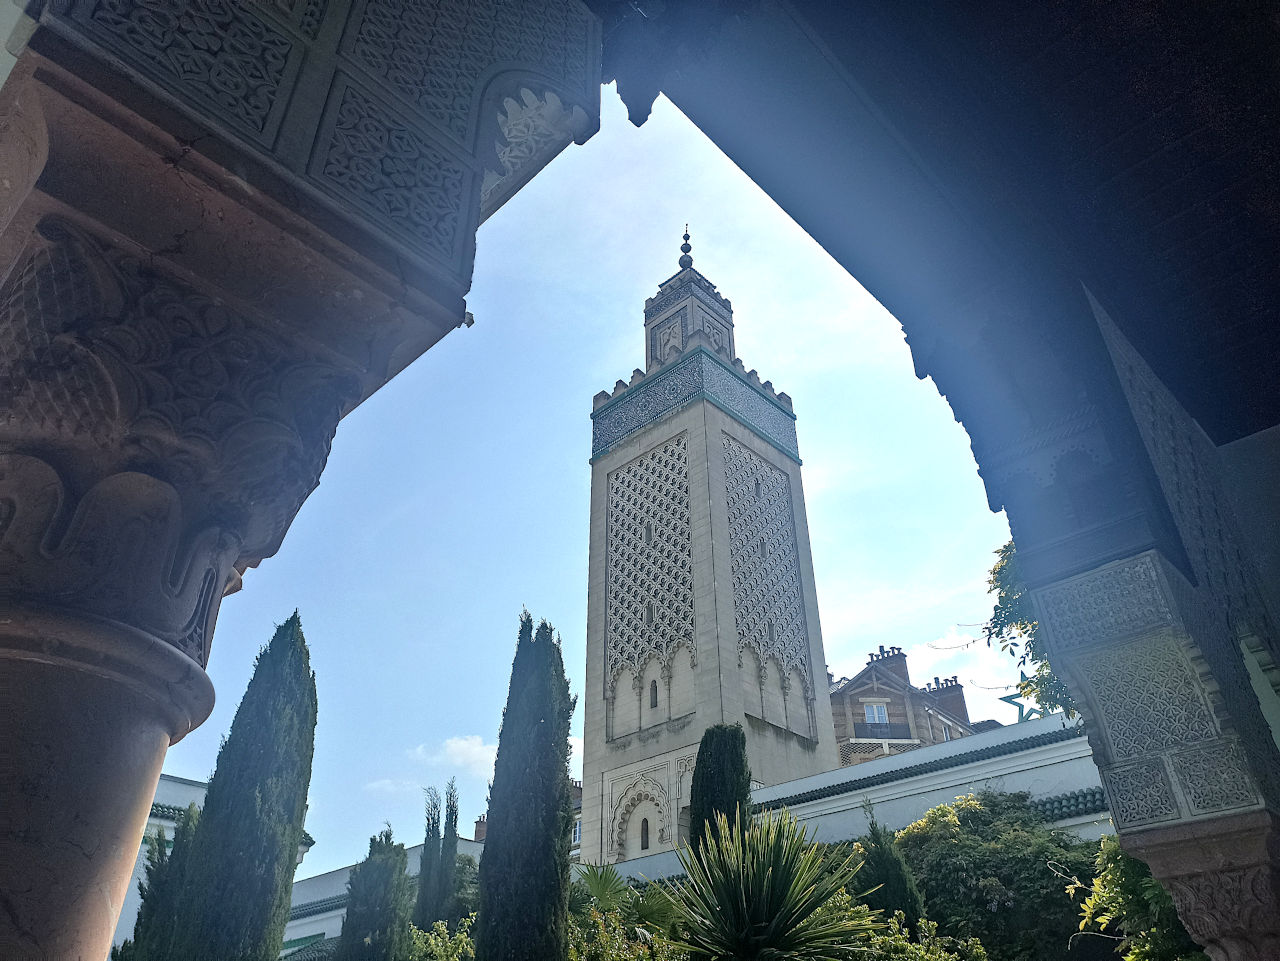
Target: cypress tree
[
  {"x": 449, "y": 855},
  {"x": 376, "y": 926},
  {"x": 721, "y": 780},
  {"x": 234, "y": 898},
  {"x": 884, "y": 865},
  {"x": 524, "y": 874},
  {"x": 150, "y": 889},
  {"x": 160, "y": 887},
  {"x": 426, "y": 910}
]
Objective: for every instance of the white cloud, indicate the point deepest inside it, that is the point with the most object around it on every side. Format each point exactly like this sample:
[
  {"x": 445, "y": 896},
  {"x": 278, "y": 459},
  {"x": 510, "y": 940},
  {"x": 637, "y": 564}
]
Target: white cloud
[{"x": 468, "y": 752}]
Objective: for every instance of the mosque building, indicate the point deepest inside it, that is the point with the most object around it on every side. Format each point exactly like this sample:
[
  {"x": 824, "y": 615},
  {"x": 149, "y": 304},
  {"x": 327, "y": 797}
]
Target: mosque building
[{"x": 701, "y": 610}]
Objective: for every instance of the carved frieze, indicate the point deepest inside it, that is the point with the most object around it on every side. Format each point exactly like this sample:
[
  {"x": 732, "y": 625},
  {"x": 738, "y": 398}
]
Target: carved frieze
[
  {"x": 1231, "y": 912},
  {"x": 700, "y": 375},
  {"x": 1139, "y": 793},
  {"x": 388, "y": 111},
  {"x": 377, "y": 161},
  {"x": 1117, "y": 601},
  {"x": 1147, "y": 695},
  {"x": 1213, "y": 778}
]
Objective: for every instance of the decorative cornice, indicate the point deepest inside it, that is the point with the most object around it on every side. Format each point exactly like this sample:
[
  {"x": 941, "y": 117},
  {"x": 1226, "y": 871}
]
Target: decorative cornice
[
  {"x": 681, "y": 287},
  {"x": 928, "y": 767},
  {"x": 698, "y": 375}
]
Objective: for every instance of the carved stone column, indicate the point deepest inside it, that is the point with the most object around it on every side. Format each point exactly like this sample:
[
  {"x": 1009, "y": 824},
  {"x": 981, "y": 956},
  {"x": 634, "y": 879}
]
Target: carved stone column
[
  {"x": 1189, "y": 786},
  {"x": 222, "y": 226},
  {"x": 1151, "y": 650},
  {"x": 152, "y": 439}
]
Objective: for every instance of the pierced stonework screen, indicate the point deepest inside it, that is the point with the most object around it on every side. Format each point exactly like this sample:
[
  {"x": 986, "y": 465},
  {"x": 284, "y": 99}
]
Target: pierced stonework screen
[
  {"x": 650, "y": 562},
  {"x": 768, "y": 606}
]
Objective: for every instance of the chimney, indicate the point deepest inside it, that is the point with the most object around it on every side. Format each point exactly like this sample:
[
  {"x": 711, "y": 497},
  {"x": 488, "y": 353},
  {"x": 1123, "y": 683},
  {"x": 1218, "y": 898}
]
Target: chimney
[
  {"x": 949, "y": 694},
  {"x": 481, "y": 827},
  {"x": 893, "y": 659}
]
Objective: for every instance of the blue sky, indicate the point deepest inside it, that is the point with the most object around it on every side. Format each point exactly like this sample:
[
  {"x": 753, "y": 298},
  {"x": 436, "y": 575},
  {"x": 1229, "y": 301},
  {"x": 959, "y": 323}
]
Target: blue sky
[{"x": 458, "y": 494}]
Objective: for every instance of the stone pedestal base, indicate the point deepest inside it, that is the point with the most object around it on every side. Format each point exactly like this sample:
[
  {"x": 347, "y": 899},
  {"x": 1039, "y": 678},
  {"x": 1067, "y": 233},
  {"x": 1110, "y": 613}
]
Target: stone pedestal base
[
  {"x": 1224, "y": 875},
  {"x": 87, "y": 711}
]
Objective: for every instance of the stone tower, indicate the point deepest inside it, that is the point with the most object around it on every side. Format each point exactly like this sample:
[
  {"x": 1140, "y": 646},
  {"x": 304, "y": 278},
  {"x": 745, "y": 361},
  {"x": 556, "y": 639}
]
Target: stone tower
[{"x": 701, "y": 606}]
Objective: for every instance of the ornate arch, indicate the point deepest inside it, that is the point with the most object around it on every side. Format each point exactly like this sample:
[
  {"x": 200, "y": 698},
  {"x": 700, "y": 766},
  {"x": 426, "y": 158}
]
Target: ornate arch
[{"x": 644, "y": 788}]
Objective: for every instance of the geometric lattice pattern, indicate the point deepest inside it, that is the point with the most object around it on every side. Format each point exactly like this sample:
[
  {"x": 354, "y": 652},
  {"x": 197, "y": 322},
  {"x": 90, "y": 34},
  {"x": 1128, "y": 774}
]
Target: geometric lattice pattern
[
  {"x": 1148, "y": 697},
  {"x": 768, "y": 606},
  {"x": 1214, "y": 778},
  {"x": 649, "y": 593},
  {"x": 1139, "y": 793}
]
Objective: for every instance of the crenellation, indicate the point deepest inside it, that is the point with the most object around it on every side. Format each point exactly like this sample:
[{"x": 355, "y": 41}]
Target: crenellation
[{"x": 600, "y": 398}]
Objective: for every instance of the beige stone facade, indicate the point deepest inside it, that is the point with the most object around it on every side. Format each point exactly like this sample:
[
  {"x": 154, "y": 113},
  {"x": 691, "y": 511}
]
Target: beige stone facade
[{"x": 701, "y": 603}]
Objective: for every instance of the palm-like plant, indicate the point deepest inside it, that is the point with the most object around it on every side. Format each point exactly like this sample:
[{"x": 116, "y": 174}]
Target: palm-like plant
[
  {"x": 607, "y": 888},
  {"x": 754, "y": 893}
]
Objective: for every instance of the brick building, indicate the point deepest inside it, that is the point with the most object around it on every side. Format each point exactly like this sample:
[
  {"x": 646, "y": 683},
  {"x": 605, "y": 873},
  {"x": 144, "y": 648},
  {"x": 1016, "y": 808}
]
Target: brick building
[{"x": 879, "y": 712}]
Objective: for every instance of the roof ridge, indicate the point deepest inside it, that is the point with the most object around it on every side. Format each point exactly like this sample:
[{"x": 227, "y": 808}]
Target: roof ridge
[{"x": 926, "y": 767}]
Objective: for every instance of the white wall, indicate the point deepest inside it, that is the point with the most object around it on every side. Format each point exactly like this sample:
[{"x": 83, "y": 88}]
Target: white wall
[{"x": 900, "y": 796}]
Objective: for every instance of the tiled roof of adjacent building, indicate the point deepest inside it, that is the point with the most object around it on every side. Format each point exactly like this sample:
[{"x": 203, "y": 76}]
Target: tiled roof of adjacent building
[
  {"x": 167, "y": 812},
  {"x": 315, "y": 951},
  {"x": 1075, "y": 804},
  {"x": 928, "y": 767},
  {"x": 320, "y": 906}
]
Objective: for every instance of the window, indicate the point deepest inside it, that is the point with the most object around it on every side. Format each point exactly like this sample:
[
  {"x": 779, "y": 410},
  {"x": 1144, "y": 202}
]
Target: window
[
  {"x": 644, "y": 835},
  {"x": 876, "y": 713},
  {"x": 764, "y": 549},
  {"x": 946, "y": 733},
  {"x": 650, "y": 614},
  {"x": 773, "y": 637},
  {"x": 653, "y": 693},
  {"x": 648, "y": 532},
  {"x": 577, "y": 832},
  {"x": 759, "y": 489}
]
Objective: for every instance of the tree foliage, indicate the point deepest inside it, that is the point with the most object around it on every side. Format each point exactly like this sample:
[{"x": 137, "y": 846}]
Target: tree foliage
[
  {"x": 1125, "y": 901},
  {"x": 607, "y": 935},
  {"x": 426, "y": 908},
  {"x": 448, "y": 895},
  {"x": 1014, "y": 627},
  {"x": 755, "y": 891},
  {"x": 376, "y": 926},
  {"x": 466, "y": 887},
  {"x": 236, "y": 889},
  {"x": 159, "y": 888},
  {"x": 524, "y": 874},
  {"x": 721, "y": 781},
  {"x": 890, "y": 937},
  {"x": 886, "y": 875},
  {"x": 990, "y": 868},
  {"x": 439, "y": 943}
]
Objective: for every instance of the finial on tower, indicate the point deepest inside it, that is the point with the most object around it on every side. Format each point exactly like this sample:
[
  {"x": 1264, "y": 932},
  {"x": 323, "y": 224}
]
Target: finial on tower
[{"x": 685, "y": 260}]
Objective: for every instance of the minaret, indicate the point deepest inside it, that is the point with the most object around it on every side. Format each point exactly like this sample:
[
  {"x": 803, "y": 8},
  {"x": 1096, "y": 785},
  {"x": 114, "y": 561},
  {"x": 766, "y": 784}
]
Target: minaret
[{"x": 701, "y": 606}]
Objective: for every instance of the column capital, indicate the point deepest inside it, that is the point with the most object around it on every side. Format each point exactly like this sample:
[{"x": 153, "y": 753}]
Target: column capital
[{"x": 155, "y": 442}]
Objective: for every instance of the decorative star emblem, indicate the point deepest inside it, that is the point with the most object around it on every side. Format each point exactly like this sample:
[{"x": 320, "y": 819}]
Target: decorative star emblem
[{"x": 1025, "y": 711}]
